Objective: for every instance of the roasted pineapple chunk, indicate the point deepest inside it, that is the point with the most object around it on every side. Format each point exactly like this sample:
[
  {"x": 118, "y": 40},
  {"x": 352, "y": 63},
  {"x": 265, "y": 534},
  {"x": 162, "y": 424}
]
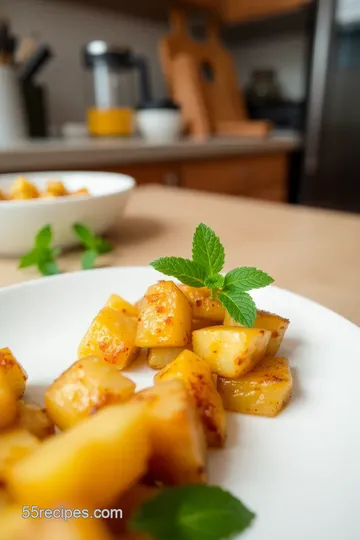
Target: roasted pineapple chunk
[
  {"x": 14, "y": 446},
  {"x": 268, "y": 321},
  {"x": 81, "y": 191},
  {"x": 264, "y": 391},
  {"x": 119, "y": 304},
  {"x": 179, "y": 453},
  {"x": 231, "y": 351},
  {"x": 111, "y": 336},
  {"x": 34, "y": 419},
  {"x": 164, "y": 318},
  {"x": 2, "y": 196},
  {"x": 7, "y": 403},
  {"x": 203, "y": 306},
  {"x": 196, "y": 375},
  {"x": 88, "y": 466},
  {"x": 199, "y": 324},
  {"x": 14, "y": 373},
  {"x": 87, "y": 386},
  {"x": 159, "y": 357},
  {"x": 56, "y": 188},
  {"x": 5, "y": 499},
  {"x": 23, "y": 189}
]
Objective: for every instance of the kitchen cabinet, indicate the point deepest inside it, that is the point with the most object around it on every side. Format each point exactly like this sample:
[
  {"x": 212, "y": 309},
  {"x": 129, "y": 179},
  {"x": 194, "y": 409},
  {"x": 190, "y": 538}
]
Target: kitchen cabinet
[
  {"x": 244, "y": 10},
  {"x": 261, "y": 176}
]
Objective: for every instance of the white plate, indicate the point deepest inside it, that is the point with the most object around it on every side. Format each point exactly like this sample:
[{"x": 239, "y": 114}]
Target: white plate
[
  {"x": 20, "y": 220},
  {"x": 300, "y": 471}
]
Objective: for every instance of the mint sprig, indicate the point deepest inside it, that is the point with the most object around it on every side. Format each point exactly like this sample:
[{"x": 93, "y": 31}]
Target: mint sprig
[
  {"x": 43, "y": 256},
  {"x": 208, "y": 259},
  {"x": 195, "y": 512},
  {"x": 94, "y": 245}
]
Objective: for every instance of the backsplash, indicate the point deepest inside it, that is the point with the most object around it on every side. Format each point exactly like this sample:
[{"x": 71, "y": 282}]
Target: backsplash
[{"x": 66, "y": 28}]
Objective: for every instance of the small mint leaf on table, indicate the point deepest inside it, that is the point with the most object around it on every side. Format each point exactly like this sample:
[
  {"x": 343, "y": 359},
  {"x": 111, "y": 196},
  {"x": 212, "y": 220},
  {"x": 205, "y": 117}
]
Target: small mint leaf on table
[
  {"x": 103, "y": 246},
  {"x": 208, "y": 250},
  {"x": 196, "y": 512},
  {"x": 240, "y": 306},
  {"x": 85, "y": 235},
  {"x": 29, "y": 259},
  {"x": 214, "y": 282},
  {"x": 48, "y": 268},
  {"x": 246, "y": 279},
  {"x": 88, "y": 259},
  {"x": 186, "y": 271},
  {"x": 43, "y": 237}
]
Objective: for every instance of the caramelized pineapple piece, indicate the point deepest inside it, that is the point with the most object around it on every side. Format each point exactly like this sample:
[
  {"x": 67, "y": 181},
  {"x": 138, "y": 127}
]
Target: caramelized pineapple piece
[
  {"x": 111, "y": 336},
  {"x": 164, "y": 318},
  {"x": 231, "y": 351},
  {"x": 196, "y": 375},
  {"x": 264, "y": 391},
  {"x": 14, "y": 446},
  {"x": 23, "y": 189},
  {"x": 118, "y": 303},
  {"x": 56, "y": 188},
  {"x": 81, "y": 191},
  {"x": 13, "y": 371},
  {"x": 34, "y": 419},
  {"x": 268, "y": 321},
  {"x": 7, "y": 403},
  {"x": 159, "y": 357},
  {"x": 87, "y": 386},
  {"x": 179, "y": 453},
  {"x": 87, "y": 466},
  {"x": 202, "y": 305},
  {"x": 199, "y": 324},
  {"x": 2, "y": 196}
]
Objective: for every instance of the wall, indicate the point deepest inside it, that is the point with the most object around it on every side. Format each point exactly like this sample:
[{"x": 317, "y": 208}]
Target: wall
[
  {"x": 66, "y": 28},
  {"x": 286, "y": 54}
]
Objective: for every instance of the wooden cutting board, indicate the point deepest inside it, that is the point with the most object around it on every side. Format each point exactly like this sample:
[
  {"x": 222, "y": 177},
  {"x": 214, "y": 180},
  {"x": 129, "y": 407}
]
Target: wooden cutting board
[{"x": 202, "y": 78}]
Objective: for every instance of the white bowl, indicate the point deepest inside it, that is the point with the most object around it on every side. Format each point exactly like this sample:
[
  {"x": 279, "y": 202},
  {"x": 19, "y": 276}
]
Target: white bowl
[
  {"x": 20, "y": 220},
  {"x": 159, "y": 125}
]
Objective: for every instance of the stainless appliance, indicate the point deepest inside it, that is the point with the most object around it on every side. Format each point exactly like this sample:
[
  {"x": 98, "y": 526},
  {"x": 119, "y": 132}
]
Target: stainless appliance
[{"x": 331, "y": 170}]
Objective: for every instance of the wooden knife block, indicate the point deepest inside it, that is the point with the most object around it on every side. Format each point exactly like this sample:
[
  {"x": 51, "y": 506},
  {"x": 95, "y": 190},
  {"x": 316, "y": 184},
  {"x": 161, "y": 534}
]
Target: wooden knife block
[{"x": 202, "y": 80}]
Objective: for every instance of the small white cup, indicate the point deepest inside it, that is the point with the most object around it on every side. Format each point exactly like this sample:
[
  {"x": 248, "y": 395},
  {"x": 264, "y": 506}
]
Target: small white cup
[{"x": 159, "y": 124}]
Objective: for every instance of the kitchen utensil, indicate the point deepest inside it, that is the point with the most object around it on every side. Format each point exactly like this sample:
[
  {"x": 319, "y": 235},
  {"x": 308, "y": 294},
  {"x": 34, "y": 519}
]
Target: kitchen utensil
[
  {"x": 35, "y": 63},
  {"x": 159, "y": 121},
  {"x": 202, "y": 79},
  {"x": 21, "y": 220},
  {"x": 12, "y": 125},
  {"x": 112, "y": 89},
  {"x": 299, "y": 472}
]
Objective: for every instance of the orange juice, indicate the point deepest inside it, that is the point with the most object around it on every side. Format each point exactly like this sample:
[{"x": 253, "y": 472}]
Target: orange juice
[{"x": 108, "y": 122}]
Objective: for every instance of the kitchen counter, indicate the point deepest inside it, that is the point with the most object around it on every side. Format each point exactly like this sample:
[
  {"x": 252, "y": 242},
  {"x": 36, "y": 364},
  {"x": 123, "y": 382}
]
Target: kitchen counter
[
  {"x": 311, "y": 252},
  {"x": 106, "y": 152}
]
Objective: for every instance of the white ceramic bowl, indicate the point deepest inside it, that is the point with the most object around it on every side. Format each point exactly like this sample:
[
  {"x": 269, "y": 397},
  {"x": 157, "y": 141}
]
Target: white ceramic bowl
[
  {"x": 159, "y": 125},
  {"x": 20, "y": 220}
]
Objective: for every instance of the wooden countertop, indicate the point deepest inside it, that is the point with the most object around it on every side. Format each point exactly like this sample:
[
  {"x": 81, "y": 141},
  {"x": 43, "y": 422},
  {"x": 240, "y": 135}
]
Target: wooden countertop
[
  {"x": 311, "y": 252},
  {"x": 52, "y": 153}
]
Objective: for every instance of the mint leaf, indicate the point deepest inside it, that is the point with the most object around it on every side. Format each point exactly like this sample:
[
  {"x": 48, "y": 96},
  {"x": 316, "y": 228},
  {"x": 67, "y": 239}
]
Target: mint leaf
[
  {"x": 246, "y": 279},
  {"x": 43, "y": 237},
  {"x": 240, "y": 306},
  {"x": 55, "y": 252},
  {"x": 103, "y": 246},
  {"x": 195, "y": 512},
  {"x": 214, "y": 282},
  {"x": 88, "y": 259},
  {"x": 29, "y": 259},
  {"x": 48, "y": 268},
  {"x": 184, "y": 270},
  {"x": 85, "y": 235},
  {"x": 207, "y": 250}
]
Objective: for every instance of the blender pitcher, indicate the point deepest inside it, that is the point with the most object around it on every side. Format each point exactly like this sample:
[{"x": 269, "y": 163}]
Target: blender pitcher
[{"x": 112, "y": 89}]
